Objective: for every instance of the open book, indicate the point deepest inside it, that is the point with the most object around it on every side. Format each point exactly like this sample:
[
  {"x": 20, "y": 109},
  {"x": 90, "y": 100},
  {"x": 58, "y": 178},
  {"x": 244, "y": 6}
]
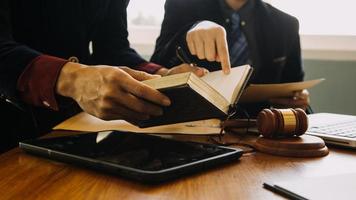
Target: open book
[{"x": 195, "y": 98}]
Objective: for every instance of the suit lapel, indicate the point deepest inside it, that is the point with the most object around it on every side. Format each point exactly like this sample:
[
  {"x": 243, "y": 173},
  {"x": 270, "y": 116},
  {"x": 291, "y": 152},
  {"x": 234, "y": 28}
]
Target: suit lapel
[
  {"x": 265, "y": 32},
  {"x": 214, "y": 12}
]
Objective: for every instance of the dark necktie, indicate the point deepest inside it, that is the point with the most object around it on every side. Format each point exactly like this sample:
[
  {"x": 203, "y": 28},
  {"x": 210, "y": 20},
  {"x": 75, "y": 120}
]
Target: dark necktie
[{"x": 237, "y": 43}]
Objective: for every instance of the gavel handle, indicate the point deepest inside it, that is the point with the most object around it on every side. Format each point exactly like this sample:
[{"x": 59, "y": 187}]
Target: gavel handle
[{"x": 239, "y": 123}]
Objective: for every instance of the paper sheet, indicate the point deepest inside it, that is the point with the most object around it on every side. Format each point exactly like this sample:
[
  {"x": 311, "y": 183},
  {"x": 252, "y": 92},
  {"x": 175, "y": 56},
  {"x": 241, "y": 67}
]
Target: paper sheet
[
  {"x": 264, "y": 92},
  {"x": 337, "y": 186},
  {"x": 88, "y": 123}
]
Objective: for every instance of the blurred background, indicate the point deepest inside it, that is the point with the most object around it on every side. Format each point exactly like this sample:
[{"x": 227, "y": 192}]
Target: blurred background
[{"x": 328, "y": 39}]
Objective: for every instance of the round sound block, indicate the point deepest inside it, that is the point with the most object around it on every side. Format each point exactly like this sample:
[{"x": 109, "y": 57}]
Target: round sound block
[{"x": 303, "y": 146}]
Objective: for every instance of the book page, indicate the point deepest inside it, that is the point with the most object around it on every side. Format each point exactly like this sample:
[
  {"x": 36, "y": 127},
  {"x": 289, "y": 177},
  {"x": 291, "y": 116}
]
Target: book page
[
  {"x": 168, "y": 81},
  {"x": 264, "y": 92},
  {"x": 226, "y": 84}
]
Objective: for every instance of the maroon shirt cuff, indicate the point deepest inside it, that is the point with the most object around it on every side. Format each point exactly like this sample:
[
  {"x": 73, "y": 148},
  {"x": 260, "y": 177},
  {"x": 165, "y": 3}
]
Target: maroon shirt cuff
[
  {"x": 149, "y": 67},
  {"x": 38, "y": 81}
]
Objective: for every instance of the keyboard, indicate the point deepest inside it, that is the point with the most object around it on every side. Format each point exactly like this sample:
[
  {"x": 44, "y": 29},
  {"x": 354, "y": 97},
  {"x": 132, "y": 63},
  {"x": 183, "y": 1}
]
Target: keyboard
[
  {"x": 344, "y": 129},
  {"x": 333, "y": 128}
]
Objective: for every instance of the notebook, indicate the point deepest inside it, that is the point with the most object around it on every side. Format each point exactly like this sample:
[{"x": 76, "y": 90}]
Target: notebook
[{"x": 335, "y": 129}]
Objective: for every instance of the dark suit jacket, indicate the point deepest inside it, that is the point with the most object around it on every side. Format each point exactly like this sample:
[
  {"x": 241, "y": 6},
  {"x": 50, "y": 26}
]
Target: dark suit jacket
[
  {"x": 62, "y": 28},
  {"x": 276, "y": 35}
]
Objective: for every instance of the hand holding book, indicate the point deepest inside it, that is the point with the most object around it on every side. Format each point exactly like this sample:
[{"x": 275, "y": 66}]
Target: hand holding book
[
  {"x": 182, "y": 68},
  {"x": 195, "y": 98}
]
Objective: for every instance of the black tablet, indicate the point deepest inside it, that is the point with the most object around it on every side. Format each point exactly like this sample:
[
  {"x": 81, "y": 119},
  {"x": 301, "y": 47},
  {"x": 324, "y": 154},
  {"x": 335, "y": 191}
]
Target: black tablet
[{"x": 136, "y": 156}]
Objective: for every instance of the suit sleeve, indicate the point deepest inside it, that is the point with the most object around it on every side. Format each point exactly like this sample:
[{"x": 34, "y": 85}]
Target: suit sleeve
[
  {"x": 25, "y": 74},
  {"x": 293, "y": 72},
  {"x": 178, "y": 19},
  {"x": 14, "y": 57}
]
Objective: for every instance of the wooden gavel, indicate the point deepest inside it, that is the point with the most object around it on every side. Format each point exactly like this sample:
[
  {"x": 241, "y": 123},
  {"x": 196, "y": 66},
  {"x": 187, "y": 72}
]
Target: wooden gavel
[
  {"x": 275, "y": 123},
  {"x": 282, "y": 123}
]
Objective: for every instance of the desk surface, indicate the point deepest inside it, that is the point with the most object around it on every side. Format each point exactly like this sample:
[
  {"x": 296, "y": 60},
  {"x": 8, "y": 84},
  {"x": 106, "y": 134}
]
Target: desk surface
[{"x": 26, "y": 176}]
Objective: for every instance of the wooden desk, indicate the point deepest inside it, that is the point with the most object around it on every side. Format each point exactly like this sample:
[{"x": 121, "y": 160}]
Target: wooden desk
[{"x": 23, "y": 176}]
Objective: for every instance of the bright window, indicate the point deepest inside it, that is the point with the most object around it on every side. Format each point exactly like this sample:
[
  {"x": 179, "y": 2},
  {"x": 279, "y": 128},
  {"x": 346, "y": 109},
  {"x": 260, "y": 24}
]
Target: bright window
[
  {"x": 327, "y": 27},
  {"x": 321, "y": 17},
  {"x": 145, "y": 12},
  {"x": 317, "y": 17}
]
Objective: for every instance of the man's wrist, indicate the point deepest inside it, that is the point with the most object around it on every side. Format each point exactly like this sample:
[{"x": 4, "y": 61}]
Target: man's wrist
[{"x": 68, "y": 76}]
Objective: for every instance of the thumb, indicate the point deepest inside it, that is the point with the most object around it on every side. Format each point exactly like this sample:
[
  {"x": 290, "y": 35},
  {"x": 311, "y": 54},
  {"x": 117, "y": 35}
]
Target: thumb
[
  {"x": 199, "y": 71},
  {"x": 140, "y": 75}
]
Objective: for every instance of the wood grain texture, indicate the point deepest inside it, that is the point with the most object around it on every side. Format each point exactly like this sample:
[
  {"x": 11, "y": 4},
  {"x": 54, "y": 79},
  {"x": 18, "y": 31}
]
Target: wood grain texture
[{"x": 23, "y": 176}]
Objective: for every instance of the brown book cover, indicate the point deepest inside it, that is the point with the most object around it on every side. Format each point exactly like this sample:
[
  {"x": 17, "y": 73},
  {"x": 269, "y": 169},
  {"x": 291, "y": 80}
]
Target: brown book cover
[
  {"x": 196, "y": 98},
  {"x": 187, "y": 105}
]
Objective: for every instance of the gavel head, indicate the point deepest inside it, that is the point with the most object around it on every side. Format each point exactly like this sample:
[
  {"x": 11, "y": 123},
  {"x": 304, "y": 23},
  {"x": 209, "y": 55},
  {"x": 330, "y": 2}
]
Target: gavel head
[{"x": 282, "y": 123}]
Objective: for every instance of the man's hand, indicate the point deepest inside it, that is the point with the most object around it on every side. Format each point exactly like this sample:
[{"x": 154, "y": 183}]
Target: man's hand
[
  {"x": 207, "y": 40},
  {"x": 111, "y": 92},
  {"x": 299, "y": 100},
  {"x": 199, "y": 71}
]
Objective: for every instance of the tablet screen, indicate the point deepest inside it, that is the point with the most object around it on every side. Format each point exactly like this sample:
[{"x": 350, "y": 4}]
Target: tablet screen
[{"x": 138, "y": 151}]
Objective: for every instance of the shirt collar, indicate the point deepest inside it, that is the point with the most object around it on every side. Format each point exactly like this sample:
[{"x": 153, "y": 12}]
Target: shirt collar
[{"x": 244, "y": 11}]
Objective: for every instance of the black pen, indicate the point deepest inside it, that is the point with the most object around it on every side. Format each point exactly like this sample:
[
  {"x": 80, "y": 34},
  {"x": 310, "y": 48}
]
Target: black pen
[
  {"x": 283, "y": 192},
  {"x": 182, "y": 55}
]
